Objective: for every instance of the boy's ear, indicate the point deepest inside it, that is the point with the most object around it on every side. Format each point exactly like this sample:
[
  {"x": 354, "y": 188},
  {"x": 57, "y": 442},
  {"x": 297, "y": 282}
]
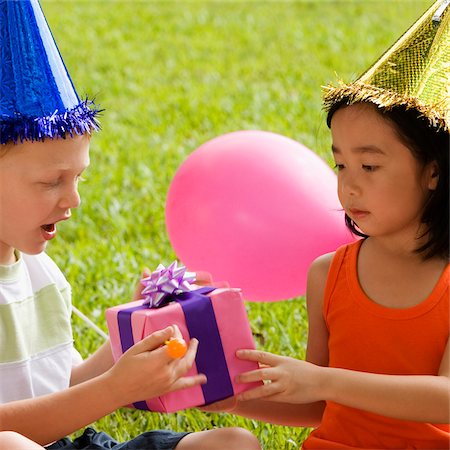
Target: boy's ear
[{"x": 433, "y": 175}]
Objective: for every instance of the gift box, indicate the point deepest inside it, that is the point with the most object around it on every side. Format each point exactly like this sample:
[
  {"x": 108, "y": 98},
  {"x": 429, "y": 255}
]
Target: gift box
[{"x": 215, "y": 316}]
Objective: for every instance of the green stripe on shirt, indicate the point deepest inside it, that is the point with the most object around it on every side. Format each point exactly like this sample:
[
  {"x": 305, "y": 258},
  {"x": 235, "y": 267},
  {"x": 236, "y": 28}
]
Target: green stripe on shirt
[{"x": 35, "y": 325}]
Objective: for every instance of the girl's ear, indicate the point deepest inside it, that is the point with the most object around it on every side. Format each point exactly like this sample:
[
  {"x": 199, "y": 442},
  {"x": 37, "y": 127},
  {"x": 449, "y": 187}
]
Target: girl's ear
[{"x": 432, "y": 175}]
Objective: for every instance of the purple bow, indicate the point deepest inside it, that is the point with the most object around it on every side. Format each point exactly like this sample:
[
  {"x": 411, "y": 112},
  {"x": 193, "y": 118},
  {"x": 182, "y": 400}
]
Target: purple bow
[{"x": 164, "y": 283}]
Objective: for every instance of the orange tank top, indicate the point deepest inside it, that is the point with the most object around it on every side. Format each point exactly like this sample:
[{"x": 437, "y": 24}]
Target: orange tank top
[{"x": 368, "y": 337}]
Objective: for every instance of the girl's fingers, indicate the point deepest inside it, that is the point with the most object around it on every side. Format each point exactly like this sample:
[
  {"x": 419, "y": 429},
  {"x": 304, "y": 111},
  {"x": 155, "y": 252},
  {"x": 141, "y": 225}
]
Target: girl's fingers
[
  {"x": 267, "y": 390},
  {"x": 266, "y": 374},
  {"x": 249, "y": 377},
  {"x": 268, "y": 359}
]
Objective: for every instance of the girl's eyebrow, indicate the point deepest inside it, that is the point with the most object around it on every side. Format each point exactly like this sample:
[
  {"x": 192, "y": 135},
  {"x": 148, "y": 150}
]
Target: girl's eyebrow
[
  {"x": 363, "y": 149},
  {"x": 335, "y": 149}
]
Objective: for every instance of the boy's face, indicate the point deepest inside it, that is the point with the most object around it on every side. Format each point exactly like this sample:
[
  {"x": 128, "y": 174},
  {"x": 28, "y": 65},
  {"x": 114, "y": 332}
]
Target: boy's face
[{"x": 38, "y": 188}]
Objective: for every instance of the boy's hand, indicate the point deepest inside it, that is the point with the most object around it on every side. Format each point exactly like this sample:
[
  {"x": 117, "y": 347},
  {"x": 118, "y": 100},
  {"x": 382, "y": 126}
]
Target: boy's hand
[
  {"x": 138, "y": 289},
  {"x": 146, "y": 370},
  {"x": 203, "y": 278},
  {"x": 226, "y": 405}
]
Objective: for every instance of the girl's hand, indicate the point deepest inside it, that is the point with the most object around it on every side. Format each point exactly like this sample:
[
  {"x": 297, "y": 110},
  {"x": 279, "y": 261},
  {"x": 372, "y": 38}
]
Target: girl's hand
[
  {"x": 146, "y": 370},
  {"x": 285, "y": 379}
]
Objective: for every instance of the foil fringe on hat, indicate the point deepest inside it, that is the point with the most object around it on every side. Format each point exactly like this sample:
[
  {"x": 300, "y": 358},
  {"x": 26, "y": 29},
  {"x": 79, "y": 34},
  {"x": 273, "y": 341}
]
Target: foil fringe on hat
[
  {"x": 414, "y": 73},
  {"x": 79, "y": 120}
]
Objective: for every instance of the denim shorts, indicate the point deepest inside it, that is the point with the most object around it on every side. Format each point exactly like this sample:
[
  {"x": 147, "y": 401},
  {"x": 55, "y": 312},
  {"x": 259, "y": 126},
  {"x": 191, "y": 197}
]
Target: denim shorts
[{"x": 91, "y": 439}]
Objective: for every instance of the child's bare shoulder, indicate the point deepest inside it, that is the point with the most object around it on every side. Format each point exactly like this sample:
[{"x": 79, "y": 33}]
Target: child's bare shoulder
[
  {"x": 321, "y": 265},
  {"x": 317, "y": 278}
]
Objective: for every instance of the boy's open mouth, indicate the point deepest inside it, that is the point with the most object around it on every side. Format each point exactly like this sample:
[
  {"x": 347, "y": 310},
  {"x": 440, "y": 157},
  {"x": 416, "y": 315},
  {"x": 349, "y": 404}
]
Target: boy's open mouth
[
  {"x": 49, "y": 228},
  {"x": 48, "y": 231}
]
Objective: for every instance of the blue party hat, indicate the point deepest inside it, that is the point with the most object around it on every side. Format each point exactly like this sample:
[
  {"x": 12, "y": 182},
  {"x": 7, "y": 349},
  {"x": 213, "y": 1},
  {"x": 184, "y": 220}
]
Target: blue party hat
[{"x": 37, "y": 97}]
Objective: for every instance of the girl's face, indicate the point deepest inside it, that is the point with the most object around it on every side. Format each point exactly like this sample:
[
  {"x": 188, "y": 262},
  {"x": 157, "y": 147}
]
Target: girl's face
[
  {"x": 381, "y": 185},
  {"x": 38, "y": 188}
]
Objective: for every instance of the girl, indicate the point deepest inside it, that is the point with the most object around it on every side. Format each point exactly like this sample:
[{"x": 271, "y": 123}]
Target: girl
[{"x": 378, "y": 351}]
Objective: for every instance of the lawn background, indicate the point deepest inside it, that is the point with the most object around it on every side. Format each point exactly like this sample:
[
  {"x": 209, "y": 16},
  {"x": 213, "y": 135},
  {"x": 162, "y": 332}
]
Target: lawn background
[{"x": 172, "y": 75}]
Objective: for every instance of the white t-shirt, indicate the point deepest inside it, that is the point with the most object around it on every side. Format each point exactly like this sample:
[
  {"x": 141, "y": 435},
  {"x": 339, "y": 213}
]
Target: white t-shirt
[{"x": 36, "y": 344}]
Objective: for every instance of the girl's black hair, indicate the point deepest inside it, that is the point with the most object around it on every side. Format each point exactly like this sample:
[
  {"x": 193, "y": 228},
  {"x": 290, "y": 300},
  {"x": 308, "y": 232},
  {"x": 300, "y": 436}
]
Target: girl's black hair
[{"x": 427, "y": 144}]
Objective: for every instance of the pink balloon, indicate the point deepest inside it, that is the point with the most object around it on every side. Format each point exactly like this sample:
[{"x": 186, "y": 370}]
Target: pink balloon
[{"x": 255, "y": 209}]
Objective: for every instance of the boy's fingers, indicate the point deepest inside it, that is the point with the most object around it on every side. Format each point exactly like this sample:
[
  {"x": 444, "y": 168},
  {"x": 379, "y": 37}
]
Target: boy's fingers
[
  {"x": 226, "y": 405},
  {"x": 139, "y": 287},
  {"x": 159, "y": 338},
  {"x": 153, "y": 341},
  {"x": 203, "y": 278},
  {"x": 177, "y": 332},
  {"x": 192, "y": 349},
  {"x": 186, "y": 382},
  {"x": 186, "y": 362}
]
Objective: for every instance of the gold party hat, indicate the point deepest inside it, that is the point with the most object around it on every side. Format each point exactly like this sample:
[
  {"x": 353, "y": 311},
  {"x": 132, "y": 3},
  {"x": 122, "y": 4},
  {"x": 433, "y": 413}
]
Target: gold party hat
[{"x": 414, "y": 72}]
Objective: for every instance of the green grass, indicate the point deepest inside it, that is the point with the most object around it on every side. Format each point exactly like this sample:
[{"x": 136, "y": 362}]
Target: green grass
[{"x": 172, "y": 75}]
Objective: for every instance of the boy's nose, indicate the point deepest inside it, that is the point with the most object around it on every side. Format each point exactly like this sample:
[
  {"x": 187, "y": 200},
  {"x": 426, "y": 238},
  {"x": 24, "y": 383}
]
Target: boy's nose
[{"x": 71, "y": 199}]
